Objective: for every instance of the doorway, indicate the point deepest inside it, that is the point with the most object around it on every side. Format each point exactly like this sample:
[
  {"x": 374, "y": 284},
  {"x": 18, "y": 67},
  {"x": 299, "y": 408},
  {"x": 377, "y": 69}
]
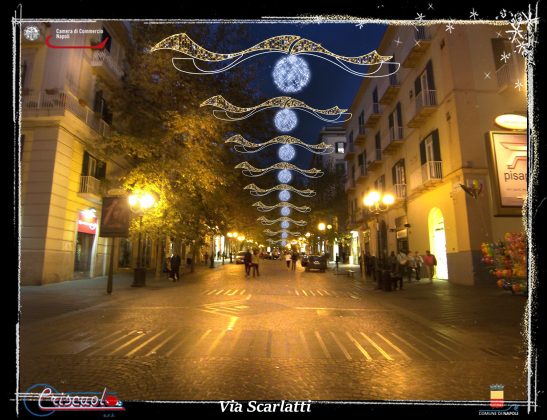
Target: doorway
[
  {"x": 437, "y": 242},
  {"x": 82, "y": 256}
]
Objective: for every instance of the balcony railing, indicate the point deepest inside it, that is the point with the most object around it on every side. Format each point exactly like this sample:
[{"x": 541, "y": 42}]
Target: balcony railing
[
  {"x": 103, "y": 58},
  {"x": 90, "y": 185},
  {"x": 425, "y": 105},
  {"x": 361, "y": 135},
  {"x": 400, "y": 191},
  {"x": 432, "y": 171},
  {"x": 350, "y": 151},
  {"x": 374, "y": 115},
  {"x": 392, "y": 89},
  {"x": 43, "y": 103},
  {"x": 417, "y": 47},
  {"x": 395, "y": 133}
]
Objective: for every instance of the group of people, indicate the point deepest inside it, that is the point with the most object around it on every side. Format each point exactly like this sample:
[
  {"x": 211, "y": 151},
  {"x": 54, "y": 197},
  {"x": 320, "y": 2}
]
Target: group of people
[
  {"x": 251, "y": 261},
  {"x": 409, "y": 264},
  {"x": 290, "y": 259}
]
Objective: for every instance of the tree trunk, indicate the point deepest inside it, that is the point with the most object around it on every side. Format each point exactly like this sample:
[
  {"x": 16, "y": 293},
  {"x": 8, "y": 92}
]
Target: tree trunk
[
  {"x": 159, "y": 259},
  {"x": 194, "y": 253}
]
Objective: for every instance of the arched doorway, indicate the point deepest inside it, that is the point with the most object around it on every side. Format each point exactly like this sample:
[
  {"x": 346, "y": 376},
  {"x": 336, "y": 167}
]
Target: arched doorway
[{"x": 437, "y": 241}]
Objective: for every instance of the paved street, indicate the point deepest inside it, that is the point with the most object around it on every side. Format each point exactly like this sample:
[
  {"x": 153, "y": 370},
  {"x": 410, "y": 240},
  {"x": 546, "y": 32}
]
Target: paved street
[{"x": 284, "y": 335}]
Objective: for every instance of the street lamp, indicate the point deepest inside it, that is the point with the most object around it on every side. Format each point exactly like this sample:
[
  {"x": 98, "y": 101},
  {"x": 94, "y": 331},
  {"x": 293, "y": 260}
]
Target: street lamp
[
  {"x": 376, "y": 205},
  {"x": 241, "y": 238},
  {"x": 139, "y": 203},
  {"x": 321, "y": 227}
]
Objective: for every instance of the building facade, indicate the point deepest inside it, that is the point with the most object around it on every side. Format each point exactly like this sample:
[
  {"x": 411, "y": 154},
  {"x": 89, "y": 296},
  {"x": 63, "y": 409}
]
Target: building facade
[
  {"x": 63, "y": 177},
  {"x": 421, "y": 133}
]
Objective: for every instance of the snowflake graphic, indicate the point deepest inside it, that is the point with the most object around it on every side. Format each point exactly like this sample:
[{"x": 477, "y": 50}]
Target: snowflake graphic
[
  {"x": 449, "y": 27},
  {"x": 516, "y": 31},
  {"x": 505, "y": 57},
  {"x": 518, "y": 85},
  {"x": 420, "y": 17},
  {"x": 360, "y": 24},
  {"x": 474, "y": 14}
]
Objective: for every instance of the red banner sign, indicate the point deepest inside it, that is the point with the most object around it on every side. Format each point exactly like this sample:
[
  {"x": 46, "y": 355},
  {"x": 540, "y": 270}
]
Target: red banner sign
[{"x": 87, "y": 222}]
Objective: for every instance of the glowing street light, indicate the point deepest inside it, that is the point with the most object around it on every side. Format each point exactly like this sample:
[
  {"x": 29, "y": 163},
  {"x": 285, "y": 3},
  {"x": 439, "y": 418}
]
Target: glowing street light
[{"x": 377, "y": 204}]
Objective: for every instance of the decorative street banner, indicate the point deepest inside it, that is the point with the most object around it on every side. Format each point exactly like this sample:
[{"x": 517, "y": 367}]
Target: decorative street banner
[{"x": 115, "y": 217}]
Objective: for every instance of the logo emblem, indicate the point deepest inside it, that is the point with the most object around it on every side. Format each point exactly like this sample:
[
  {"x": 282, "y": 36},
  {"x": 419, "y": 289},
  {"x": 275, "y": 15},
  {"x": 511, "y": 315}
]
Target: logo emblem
[
  {"x": 31, "y": 33},
  {"x": 496, "y": 396}
]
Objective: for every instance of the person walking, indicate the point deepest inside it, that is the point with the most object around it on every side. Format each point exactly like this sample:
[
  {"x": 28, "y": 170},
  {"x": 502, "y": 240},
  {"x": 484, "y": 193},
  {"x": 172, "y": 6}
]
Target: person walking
[
  {"x": 419, "y": 264},
  {"x": 411, "y": 265},
  {"x": 403, "y": 263},
  {"x": 288, "y": 259},
  {"x": 395, "y": 271},
  {"x": 294, "y": 258},
  {"x": 206, "y": 258},
  {"x": 429, "y": 263},
  {"x": 248, "y": 260},
  {"x": 175, "y": 266},
  {"x": 255, "y": 260}
]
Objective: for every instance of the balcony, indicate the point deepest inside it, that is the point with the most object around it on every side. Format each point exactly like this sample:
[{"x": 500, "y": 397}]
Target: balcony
[
  {"x": 396, "y": 136},
  {"x": 362, "y": 175},
  {"x": 374, "y": 116},
  {"x": 350, "y": 185},
  {"x": 400, "y": 191},
  {"x": 377, "y": 162},
  {"x": 391, "y": 91},
  {"x": 104, "y": 65},
  {"x": 419, "y": 46},
  {"x": 361, "y": 136},
  {"x": 90, "y": 188},
  {"x": 55, "y": 103},
  {"x": 425, "y": 105},
  {"x": 350, "y": 152},
  {"x": 429, "y": 175}
]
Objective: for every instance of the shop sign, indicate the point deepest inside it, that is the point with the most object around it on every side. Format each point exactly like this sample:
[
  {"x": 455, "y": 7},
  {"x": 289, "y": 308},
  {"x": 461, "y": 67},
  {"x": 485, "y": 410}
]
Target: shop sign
[
  {"x": 87, "y": 221},
  {"x": 403, "y": 233}
]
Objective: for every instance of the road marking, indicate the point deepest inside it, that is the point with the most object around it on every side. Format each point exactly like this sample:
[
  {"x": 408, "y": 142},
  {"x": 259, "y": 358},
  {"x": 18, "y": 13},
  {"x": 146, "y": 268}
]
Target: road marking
[
  {"x": 233, "y": 321},
  {"x": 160, "y": 345},
  {"x": 128, "y": 343},
  {"x": 242, "y": 292},
  {"x": 318, "y": 291},
  {"x": 356, "y": 343},
  {"x": 236, "y": 338},
  {"x": 444, "y": 345},
  {"x": 334, "y": 294},
  {"x": 205, "y": 334},
  {"x": 140, "y": 346},
  {"x": 431, "y": 347},
  {"x": 211, "y": 292},
  {"x": 107, "y": 344},
  {"x": 215, "y": 343},
  {"x": 376, "y": 346},
  {"x": 304, "y": 342},
  {"x": 448, "y": 338},
  {"x": 303, "y": 291},
  {"x": 322, "y": 344},
  {"x": 180, "y": 343},
  {"x": 296, "y": 291},
  {"x": 348, "y": 356},
  {"x": 227, "y": 292},
  {"x": 411, "y": 346},
  {"x": 311, "y": 291},
  {"x": 406, "y": 356},
  {"x": 327, "y": 293},
  {"x": 218, "y": 293}
]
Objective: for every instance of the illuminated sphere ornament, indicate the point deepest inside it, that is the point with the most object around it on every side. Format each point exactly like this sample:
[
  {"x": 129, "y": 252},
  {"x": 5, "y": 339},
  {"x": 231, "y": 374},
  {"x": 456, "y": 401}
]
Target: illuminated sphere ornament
[
  {"x": 291, "y": 74},
  {"x": 285, "y": 211},
  {"x": 285, "y": 120},
  {"x": 284, "y": 195},
  {"x": 285, "y": 225},
  {"x": 284, "y": 176},
  {"x": 286, "y": 152},
  {"x": 284, "y": 235},
  {"x": 283, "y": 242}
]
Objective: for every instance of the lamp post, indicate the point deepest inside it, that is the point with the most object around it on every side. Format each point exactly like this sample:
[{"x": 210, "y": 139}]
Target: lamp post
[
  {"x": 139, "y": 203},
  {"x": 321, "y": 227},
  {"x": 376, "y": 205}
]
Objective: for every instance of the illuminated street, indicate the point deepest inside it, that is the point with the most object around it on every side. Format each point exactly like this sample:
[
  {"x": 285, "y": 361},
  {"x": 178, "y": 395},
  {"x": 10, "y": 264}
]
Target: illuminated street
[{"x": 284, "y": 335}]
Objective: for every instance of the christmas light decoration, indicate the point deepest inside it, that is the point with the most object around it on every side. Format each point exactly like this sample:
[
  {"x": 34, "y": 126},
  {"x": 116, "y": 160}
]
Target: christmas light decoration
[
  {"x": 266, "y": 221},
  {"x": 286, "y": 44},
  {"x": 285, "y": 120},
  {"x": 286, "y": 152},
  {"x": 284, "y": 195},
  {"x": 272, "y": 233},
  {"x": 282, "y": 188},
  {"x": 285, "y": 211},
  {"x": 264, "y": 208},
  {"x": 244, "y": 146},
  {"x": 284, "y": 176},
  {"x": 284, "y": 225},
  {"x": 283, "y": 242},
  {"x": 284, "y": 235},
  {"x": 291, "y": 74},
  {"x": 228, "y": 112},
  {"x": 250, "y": 171}
]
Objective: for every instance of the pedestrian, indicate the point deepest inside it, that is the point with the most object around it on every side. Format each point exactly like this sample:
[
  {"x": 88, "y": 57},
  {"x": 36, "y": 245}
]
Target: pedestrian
[
  {"x": 419, "y": 264},
  {"x": 343, "y": 257},
  {"x": 367, "y": 263},
  {"x": 294, "y": 258},
  {"x": 175, "y": 266},
  {"x": 255, "y": 259},
  {"x": 218, "y": 255},
  {"x": 206, "y": 258},
  {"x": 288, "y": 259},
  {"x": 429, "y": 263},
  {"x": 247, "y": 260},
  {"x": 403, "y": 263},
  {"x": 411, "y": 266},
  {"x": 395, "y": 271}
]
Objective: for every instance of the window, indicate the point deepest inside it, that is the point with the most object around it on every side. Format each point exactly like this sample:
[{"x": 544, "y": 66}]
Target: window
[
  {"x": 352, "y": 172},
  {"x": 94, "y": 167},
  {"x": 360, "y": 159},
  {"x": 105, "y": 35},
  {"x": 339, "y": 147},
  {"x": 362, "y": 119},
  {"x": 380, "y": 183},
  {"x": 375, "y": 106},
  {"x": 398, "y": 173},
  {"x": 430, "y": 150},
  {"x": 340, "y": 168},
  {"x": 350, "y": 138},
  {"x": 425, "y": 81},
  {"x": 396, "y": 123},
  {"x": 100, "y": 107}
]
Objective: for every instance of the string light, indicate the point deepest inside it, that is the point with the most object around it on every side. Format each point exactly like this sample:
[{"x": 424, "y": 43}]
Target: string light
[
  {"x": 286, "y": 44},
  {"x": 229, "y": 112},
  {"x": 285, "y": 120},
  {"x": 244, "y": 146},
  {"x": 259, "y": 192},
  {"x": 284, "y": 235},
  {"x": 285, "y": 225},
  {"x": 285, "y": 211},
  {"x": 286, "y": 152},
  {"x": 284, "y": 195},
  {"x": 251, "y": 171},
  {"x": 291, "y": 74},
  {"x": 264, "y": 208},
  {"x": 284, "y": 176},
  {"x": 272, "y": 233},
  {"x": 283, "y": 219}
]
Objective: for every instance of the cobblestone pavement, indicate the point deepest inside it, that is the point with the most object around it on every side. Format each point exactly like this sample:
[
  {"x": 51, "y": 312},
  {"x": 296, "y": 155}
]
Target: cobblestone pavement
[{"x": 217, "y": 335}]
